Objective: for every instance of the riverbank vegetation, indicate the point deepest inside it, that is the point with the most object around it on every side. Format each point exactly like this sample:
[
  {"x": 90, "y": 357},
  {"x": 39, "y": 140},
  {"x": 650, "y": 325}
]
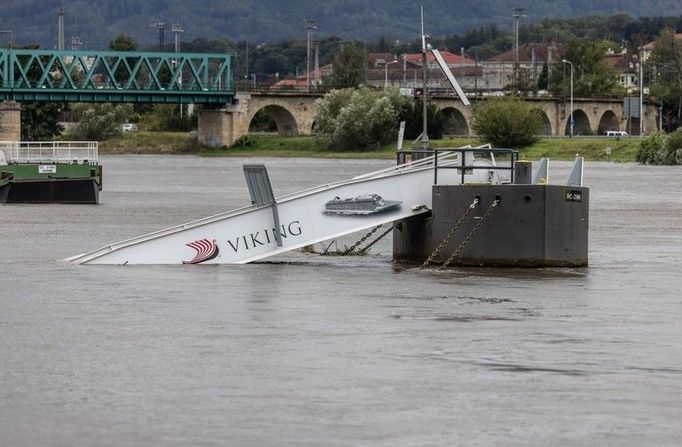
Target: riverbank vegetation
[
  {"x": 622, "y": 150},
  {"x": 661, "y": 149}
]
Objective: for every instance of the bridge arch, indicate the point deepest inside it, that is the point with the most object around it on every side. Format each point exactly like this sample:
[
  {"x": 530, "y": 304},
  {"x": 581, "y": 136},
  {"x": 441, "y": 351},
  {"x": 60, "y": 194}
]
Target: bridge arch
[
  {"x": 546, "y": 124},
  {"x": 284, "y": 120},
  {"x": 455, "y": 122},
  {"x": 608, "y": 121},
  {"x": 582, "y": 123}
]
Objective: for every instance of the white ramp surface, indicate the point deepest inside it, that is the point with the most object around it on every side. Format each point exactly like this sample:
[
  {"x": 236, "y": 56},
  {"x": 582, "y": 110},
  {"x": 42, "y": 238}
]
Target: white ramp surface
[{"x": 307, "y": 217}]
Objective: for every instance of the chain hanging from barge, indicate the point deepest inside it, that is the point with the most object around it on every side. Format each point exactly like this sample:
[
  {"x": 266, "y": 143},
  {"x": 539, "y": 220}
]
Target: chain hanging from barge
[{"x": 472, "y": 233}]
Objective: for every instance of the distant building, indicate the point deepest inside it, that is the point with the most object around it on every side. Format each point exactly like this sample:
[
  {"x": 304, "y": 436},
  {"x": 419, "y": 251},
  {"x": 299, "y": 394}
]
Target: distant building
[
  {"x": 301, "y": 82},
  {"x": 626, "y": 68},
  {"x": 405, "y": 70},
  {"x": 498, "y": 71},
  {"x": 648, "y": 48}
]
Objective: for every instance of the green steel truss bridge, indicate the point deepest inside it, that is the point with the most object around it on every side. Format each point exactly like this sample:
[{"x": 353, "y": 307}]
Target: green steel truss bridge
[{"x": 110, "y": 76}]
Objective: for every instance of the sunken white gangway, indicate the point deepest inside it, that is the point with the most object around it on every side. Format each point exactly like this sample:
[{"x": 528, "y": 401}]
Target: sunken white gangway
[{"x": 256, "y": 232}]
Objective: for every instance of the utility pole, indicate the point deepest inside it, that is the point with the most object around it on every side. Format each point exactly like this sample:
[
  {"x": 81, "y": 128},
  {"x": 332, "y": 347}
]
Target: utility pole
[
  {"x": 246, "y": 60},
  {"x": 309, "y": 26},
  {"x": 475, "y": 73},
  {"x": 549, "y": 67},
  {"x": 317, "y": 64},
  {"x": 176, "y": 29},
  {"x": 571, "y": 117},
  {"x": 60, "y": 26},
  {"x": 161, "y": 26},
  {"x": 404, "y": 70}
]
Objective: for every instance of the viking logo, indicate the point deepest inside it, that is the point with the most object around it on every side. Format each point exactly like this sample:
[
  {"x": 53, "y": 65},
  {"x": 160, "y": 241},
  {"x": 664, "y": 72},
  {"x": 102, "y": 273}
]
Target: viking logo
[{"x": 206, "y": 250}]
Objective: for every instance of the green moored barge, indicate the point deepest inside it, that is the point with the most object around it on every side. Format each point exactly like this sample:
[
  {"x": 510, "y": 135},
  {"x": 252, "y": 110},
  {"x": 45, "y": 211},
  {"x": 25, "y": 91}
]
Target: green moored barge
[{"x": 53, "y": 172}]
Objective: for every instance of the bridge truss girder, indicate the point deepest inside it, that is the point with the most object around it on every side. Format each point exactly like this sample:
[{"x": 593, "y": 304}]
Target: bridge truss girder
[{"x": 110, "y": 76}]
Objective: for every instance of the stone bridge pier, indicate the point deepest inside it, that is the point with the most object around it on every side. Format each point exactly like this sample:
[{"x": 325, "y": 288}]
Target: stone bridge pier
[
  {"x": 294, "y": 114},
  {"x": 10, "y": 121}
]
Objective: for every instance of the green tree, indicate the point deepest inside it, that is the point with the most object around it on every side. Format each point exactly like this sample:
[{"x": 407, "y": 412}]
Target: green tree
[
  {"x": 123, "y": 42},
  {"x": 506, "y": 122},
  {"x": 348, "y": 66},
  {"x": 591, "y": 74},
  {"x": 652, "y": 149},
  {"x": 412, "y": 113},
  {"x": 100, "y": 121},
  {"x": 359, "y": 119},
  {"x": 543, "y": 78},
  {"x": 673, "y": 146},
  {"x": 661, "y": 149},
  {"x": 666, "y": 58},
  {"x": 167, "y": 118},
  {"x": 40, "y": 120}
]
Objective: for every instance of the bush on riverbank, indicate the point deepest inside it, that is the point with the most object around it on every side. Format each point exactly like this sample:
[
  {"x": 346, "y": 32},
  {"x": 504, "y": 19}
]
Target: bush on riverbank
[
  {"x": 358, "y": 119},
  {"x": 100, "y": 121},
  {"x": 661, "y": 149},
  {"x": 506, "y": 122}
]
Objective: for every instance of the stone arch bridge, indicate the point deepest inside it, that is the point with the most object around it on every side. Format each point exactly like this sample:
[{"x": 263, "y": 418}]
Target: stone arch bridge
[{"x": 294, "y": 114}]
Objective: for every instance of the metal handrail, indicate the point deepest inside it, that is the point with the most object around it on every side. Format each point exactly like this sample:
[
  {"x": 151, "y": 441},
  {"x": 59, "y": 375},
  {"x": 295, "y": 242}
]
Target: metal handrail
[
  {"x": 69, "y": 152},
  {"x": 462, "y": 159}
]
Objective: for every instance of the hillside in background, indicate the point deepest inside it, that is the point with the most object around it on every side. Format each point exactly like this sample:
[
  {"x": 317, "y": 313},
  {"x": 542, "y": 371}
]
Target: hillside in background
[{"x": 263, "y": 21}]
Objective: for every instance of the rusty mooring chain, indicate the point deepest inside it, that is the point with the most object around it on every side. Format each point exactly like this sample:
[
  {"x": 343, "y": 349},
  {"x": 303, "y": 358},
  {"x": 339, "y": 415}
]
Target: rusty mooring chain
[
  {"x": 381, "y": 236},
  {"x": 361, "y": 241},
  {"x": 452, "y": 232},
  {"x": 471, "y": 234}
]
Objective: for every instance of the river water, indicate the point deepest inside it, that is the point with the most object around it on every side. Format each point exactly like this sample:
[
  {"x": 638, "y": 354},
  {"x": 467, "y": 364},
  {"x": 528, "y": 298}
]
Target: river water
[{"x": 308, "y": 350}]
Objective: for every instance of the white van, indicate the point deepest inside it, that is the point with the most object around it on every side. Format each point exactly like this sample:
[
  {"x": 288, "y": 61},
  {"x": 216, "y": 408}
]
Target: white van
[{"x": 616, "y": 133}]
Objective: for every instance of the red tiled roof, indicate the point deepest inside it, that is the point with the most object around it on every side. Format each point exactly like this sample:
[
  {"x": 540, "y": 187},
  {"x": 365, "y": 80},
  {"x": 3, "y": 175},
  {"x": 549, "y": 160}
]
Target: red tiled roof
[
  {"x": 621, "y": 62},
  {"x": 284, "y": 83},
  {"x": 450, "y": 58}
]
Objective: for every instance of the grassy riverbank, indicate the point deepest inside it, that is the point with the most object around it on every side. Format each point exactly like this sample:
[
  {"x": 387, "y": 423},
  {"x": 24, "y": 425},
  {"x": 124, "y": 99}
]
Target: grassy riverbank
[
  {"x": 271, "y": 146},
  {"x": 151, "y": 143}
]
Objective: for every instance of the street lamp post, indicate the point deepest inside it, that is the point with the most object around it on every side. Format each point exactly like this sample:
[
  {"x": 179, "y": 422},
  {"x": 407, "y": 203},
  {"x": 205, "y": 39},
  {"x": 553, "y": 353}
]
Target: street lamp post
[
  {"x": 517, "y": 13},
  {"x": 386, "y": 71},
  {"x": 161, "y": 26},
  {"x": 309, "y": 26},
  {"x": 641, "y": 93},
  {"x": 177, "y": 29},
  {"x": 571, "y": 116}
]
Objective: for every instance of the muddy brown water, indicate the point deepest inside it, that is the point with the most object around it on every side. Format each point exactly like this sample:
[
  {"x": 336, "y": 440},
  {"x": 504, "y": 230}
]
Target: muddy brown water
[{"x": 307, "y": 350}]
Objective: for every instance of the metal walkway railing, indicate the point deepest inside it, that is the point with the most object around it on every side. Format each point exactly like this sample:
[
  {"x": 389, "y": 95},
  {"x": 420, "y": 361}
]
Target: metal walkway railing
[
  {"x": 69, "y": 152},
  {"x": 464, "y": 162}
]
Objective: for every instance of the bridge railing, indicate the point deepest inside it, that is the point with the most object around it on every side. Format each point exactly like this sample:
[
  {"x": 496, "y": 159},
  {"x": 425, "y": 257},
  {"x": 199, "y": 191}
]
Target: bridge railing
[
  {"x": 70, "y": 152},
  {"x": 48, "y": 74}
]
